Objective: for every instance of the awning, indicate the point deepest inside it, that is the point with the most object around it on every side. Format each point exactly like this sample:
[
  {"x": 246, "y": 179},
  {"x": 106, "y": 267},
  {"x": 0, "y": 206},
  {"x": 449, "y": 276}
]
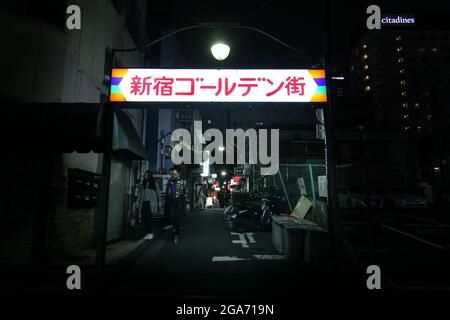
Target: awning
[{"x": 126, "y": 141}]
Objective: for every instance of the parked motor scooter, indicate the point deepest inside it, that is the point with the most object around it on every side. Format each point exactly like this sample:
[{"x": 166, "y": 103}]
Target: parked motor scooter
[{"x": 254, "y": 214}]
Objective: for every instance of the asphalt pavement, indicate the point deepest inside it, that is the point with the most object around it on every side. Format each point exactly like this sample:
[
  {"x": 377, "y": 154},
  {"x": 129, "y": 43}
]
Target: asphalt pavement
[{"x": 213, "y": 261}]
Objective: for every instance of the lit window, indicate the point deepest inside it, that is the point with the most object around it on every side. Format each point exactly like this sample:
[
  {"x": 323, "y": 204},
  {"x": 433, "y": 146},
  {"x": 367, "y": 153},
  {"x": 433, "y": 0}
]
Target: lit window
[
  {"x": 419, "y": 129},
  {"x": 434, "y": 49}
]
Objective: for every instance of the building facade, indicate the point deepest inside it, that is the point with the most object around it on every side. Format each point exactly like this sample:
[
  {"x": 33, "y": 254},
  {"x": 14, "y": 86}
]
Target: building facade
[
  {"x": 403, "y": 78},
  {"x": 47, "y": 63}
]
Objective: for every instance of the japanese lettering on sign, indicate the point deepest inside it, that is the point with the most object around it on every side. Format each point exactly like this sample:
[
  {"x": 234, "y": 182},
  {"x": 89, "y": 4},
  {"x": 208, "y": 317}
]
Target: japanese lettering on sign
[{"x": 218, "y": 85}]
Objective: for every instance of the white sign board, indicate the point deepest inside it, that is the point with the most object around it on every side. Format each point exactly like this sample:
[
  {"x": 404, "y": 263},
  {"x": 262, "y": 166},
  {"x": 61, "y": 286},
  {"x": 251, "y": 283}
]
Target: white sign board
[
  {"x": 302, "y": 186},
  {"x": 323, "y": 191},
  {"x": 320, "y": 131},
  {"x": 218, "y": 85}
]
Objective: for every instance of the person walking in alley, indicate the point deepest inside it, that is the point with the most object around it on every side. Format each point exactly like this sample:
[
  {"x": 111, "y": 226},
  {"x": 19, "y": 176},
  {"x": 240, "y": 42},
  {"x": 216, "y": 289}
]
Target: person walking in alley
[
  {"x": 176, "y": 200},
  {"x": 149, "y": 201}
]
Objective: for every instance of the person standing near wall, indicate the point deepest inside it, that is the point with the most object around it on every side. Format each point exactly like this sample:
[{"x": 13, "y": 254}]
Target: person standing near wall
[
  {"x": 149, "y": 201},
  {"x": 177, "y": 196}
]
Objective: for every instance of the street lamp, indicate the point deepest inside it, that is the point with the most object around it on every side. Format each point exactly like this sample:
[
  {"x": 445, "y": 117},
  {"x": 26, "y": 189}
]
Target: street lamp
[
  {"x": 220, "y": 51},
  {"x": 224, "y": 173}
]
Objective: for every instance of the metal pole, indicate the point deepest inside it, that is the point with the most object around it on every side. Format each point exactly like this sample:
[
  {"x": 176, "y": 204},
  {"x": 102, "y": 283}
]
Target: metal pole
[
  {"x": 284, "y": 189},
  {"x": 102, "y": 217},
  {"x": 311, "y": 176},
  {"x": 162, "y": 152},
  {"x": 333, "y": 223}
]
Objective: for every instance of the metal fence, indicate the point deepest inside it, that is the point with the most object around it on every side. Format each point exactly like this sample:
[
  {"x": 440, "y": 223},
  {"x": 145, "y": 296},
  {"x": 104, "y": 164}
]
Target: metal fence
[{"x": 293, "y": 180}]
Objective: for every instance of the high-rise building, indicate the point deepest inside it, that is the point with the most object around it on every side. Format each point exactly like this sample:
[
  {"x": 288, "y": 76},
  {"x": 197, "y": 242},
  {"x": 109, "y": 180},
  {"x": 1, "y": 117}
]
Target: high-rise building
[{"x": 402, "y": 76}]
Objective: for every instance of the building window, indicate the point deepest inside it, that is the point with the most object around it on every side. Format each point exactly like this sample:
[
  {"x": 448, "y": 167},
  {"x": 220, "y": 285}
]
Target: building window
[
  {"x": 434, "y": 49},
  {"x": 406, "y": 116},
  {"x": 405, "y": 105},
  {"x": 403, "y": 94},
  {"x": 403, "y": 82},
  {"x": 402, "y": 71},
  {"x": 407, "y": 128},
  {"x": 419, "y": 129},
  {"x": 400, "y": 60},
  {"x": 399, "y": 49}
]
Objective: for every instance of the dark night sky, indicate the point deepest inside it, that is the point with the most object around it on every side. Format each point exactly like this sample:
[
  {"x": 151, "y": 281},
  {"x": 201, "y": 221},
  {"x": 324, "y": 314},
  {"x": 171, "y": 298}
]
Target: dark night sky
[{"x": 298, "y": 23}]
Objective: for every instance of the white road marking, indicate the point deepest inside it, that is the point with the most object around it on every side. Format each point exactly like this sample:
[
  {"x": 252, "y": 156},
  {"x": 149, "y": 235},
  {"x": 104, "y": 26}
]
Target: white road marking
[
  {"x": 241, "y": 240},
  {"x": 250, "y": 237},
  {"x": 226, "y": 258},
  {"x": 269, "y": 257},
  {"x": 254, "y": 257}
]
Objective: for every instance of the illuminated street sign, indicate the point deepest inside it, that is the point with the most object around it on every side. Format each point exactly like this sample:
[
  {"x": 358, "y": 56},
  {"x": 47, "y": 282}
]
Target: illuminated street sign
[{"x": 218, "y": 85}]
